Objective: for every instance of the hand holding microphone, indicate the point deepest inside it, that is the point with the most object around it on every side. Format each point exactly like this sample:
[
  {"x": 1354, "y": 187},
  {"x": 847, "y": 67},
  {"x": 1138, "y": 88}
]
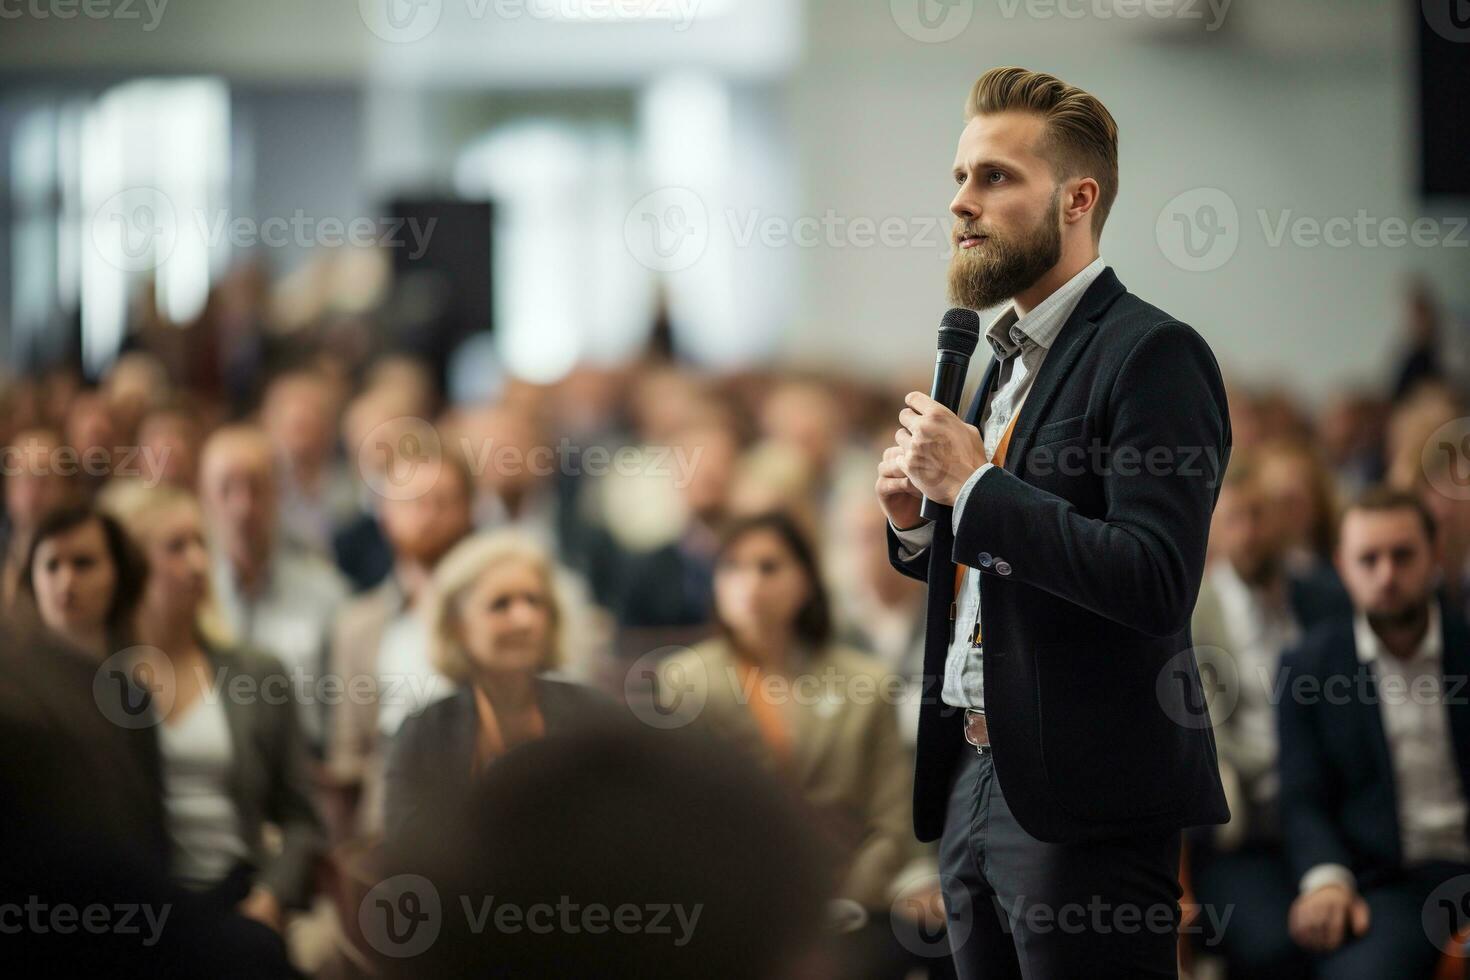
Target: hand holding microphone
[{"x": 935, "y": 451}]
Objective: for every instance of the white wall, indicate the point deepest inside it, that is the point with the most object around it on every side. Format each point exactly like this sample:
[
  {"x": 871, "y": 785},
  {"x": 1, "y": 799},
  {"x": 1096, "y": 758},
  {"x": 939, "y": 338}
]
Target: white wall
[{"x": 876, "y": 115}]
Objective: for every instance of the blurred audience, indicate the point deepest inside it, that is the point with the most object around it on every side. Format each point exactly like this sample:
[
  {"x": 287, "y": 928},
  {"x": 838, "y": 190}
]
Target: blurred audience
[
  {"x": 381, "y": 640},
  {"x": 1375, "y": 755},
  {"x": 445, "y": 599},
  {"x": 495, "y": 622},
  {"x": 272, "y": 594},
  {"x": 85, "y": 577},
  {"x": 818, "y": 714},
  {"x": 233, "y": 757},
  {"x": 316, "y": 497}
]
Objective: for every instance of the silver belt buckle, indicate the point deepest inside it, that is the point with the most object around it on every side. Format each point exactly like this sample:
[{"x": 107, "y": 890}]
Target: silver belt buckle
[{"x": 980, "y": 747}]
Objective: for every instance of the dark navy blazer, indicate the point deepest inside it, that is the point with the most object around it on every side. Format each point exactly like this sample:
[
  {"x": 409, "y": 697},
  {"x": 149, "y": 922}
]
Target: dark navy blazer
[{"x": 1091, "y": 541}]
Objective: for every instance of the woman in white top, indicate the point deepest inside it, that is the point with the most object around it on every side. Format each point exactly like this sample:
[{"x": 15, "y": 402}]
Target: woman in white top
[{"x": 229, "y": 733}]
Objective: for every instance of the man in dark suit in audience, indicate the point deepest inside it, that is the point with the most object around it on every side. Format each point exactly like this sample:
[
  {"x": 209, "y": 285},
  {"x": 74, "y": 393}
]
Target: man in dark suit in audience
[{"x": 1375, "y": 756}]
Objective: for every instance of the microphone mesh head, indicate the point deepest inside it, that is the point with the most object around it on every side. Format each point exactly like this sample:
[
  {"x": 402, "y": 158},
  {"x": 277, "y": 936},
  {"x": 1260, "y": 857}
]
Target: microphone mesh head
[{"x": 959, "y": 331}]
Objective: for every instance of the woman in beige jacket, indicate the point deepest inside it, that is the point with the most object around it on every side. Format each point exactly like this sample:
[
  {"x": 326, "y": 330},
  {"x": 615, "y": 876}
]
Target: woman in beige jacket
[{"x": 820, "y": 714}]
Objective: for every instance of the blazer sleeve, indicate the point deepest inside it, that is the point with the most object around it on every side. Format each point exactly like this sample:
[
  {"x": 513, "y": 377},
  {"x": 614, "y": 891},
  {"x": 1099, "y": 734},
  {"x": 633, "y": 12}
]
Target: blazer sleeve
[
  {"x": 915, "y": 567},
  {"x": 1140, "y": 565},
  {"x": 404, "y": 787},
  {"x": 288, "y": 874},
  {"x": 1307, "y": 824}
]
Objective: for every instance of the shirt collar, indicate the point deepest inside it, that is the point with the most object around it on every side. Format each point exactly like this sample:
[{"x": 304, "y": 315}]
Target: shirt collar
[
  {"x": 1008, "y": 333},
  {"x": 1370, "y": 647}
]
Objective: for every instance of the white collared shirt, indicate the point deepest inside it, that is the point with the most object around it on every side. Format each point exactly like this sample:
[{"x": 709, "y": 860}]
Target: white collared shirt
[
  {"x": 1030, "y": 336},
  {"x": 1431, "y": 802}
]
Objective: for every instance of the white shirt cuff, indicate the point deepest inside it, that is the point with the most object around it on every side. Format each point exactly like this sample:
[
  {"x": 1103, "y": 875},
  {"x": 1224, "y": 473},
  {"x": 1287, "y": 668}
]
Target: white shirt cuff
[
  {"x": 964, "y": 494},
  {"x": 1328, "y": 874},
  {"x": 914, "y": 540}
]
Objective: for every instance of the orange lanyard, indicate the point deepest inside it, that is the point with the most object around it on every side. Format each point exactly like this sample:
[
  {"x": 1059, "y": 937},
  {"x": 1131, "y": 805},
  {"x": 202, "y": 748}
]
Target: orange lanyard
[
  {"x": 998, "y": 458},
  {"x": 774, "y": 729}
]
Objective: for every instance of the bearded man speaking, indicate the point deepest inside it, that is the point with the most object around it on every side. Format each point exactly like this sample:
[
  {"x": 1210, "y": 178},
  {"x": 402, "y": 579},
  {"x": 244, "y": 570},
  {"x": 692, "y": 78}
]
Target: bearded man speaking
[{"x": 1063, "y": 742}]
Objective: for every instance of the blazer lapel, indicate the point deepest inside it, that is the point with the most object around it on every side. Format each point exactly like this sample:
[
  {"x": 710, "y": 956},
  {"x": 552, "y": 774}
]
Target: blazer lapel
[
  {"x": 1456, "y": 671},
  {"x": 239, "y": 717},
  {"x": 1068, "y": 346},
  {"x": 972, "y": 414},
  {"x": 1371, "y": 735}
]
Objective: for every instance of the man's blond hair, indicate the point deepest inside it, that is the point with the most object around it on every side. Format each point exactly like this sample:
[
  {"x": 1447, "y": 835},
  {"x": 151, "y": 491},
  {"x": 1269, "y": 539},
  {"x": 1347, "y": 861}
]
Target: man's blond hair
[{"x": 1081, "y": 137}]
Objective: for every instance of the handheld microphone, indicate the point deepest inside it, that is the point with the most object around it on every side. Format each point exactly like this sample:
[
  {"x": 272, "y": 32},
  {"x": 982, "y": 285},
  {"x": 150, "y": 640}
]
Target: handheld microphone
[{"x": 959, "y": 332}]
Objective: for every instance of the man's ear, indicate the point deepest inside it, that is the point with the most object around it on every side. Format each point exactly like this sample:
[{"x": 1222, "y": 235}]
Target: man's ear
[{"x": 1079, "y": 197}]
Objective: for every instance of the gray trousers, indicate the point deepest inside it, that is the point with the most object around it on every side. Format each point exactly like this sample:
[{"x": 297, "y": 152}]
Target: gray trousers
[{"x": 1022, "y": 908}]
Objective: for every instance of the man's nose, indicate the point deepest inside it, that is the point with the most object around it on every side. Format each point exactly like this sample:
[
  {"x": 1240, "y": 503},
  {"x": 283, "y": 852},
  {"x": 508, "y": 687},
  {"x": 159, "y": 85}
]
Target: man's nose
[{"x": 964, "y": 206}]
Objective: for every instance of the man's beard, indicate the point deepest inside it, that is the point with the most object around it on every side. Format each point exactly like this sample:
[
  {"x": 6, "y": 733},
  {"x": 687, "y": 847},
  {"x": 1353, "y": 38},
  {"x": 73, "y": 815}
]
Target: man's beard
[
  {"x": 997, "y": 269},
  {"x": 1410, "y": 614}
]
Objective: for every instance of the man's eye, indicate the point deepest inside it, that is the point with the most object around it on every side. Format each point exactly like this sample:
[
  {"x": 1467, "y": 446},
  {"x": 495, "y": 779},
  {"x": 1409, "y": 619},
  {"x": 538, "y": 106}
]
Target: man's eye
[
  {"x": 994, "y": 175},
  {"x": 959, "y": 179}
]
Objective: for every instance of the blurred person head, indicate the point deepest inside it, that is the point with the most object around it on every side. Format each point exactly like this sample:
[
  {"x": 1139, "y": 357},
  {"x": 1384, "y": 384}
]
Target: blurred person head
[
  {"x": 431, "y": 511},
  {"x": 510, "y": 443},
  {"x": 169, "y": 441},
  {"x": 1279, "y": 416},
  {"x": 1387, "y": 556},
  {"x": 773, "y": 476},
  {"x": 237, "y": 486},
  {"x": 687, "y": 825},
  {"x": 806, "y": 416},
  {"x": 1037, "y": 168},
  {"x": 376, "y": 424},
  {"x": 136, "y": 382},
  {"x": 1412, "y": 424},
  {"x": 768, "y": 586},
  {"x": 712, "y": 449},
  {"x": 410, "y": 376},
  {"x": 86, "y": 577},
  {"x": 35, "y": 482},
  {"x": 299, "y": 415},
  {"x": 1242, "y": 530},
  {"x": 494, "y": 609},
  {"x": 1351, "y": 426},
  {"x": 1298, "y": 489},
  {"x": 1451, "y": 511},
  {"x": 663, "y": 400},
  {"x": 92, "y": 430},
  {"x": 168, "y": 526}
]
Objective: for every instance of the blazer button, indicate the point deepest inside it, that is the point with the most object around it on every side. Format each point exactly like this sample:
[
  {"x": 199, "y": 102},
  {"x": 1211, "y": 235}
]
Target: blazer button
[
  {"x": 1002, "y": 567},
  {"x": 984, "y": 559}
]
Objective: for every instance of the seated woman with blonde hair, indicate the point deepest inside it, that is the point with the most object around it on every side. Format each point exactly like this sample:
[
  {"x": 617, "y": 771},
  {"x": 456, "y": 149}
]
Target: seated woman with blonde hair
[
  {"x": 229, "y": 732},
  {"x": 495, "y": 623}
]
